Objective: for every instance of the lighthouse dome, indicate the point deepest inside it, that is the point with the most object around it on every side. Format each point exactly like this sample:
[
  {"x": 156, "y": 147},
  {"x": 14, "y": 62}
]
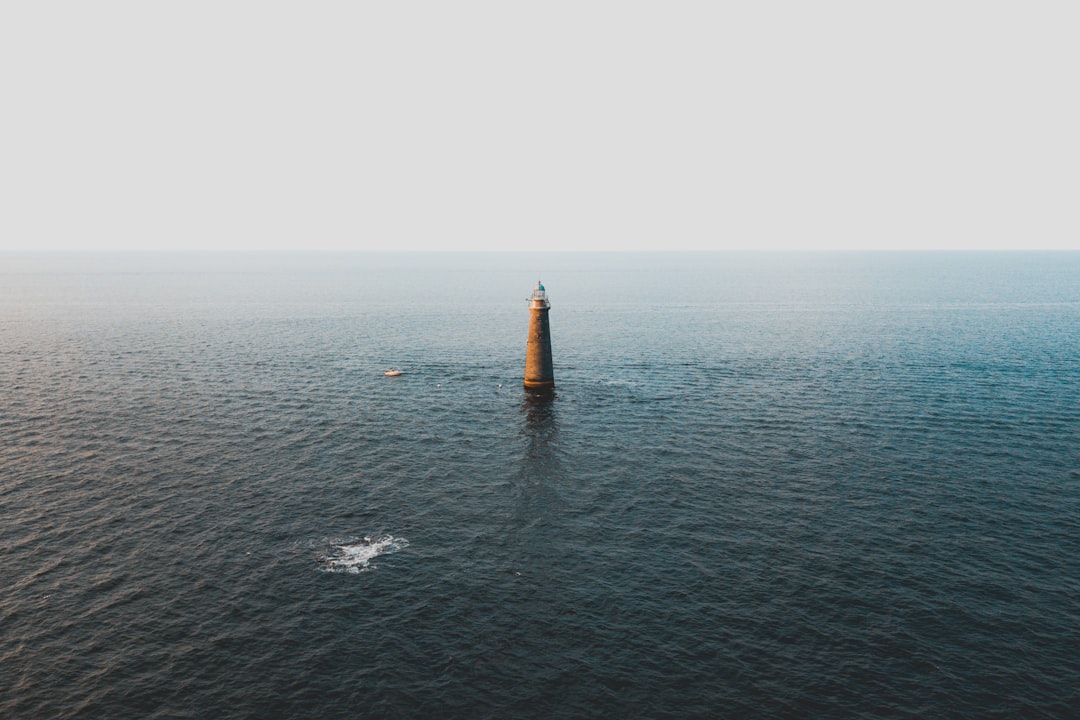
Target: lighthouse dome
[{"x": 539, "y": 296}]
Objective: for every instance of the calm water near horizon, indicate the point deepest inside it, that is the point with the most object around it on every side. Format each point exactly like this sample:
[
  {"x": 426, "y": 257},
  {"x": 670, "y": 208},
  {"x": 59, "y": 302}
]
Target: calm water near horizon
[{"x": 768, "y": 485}]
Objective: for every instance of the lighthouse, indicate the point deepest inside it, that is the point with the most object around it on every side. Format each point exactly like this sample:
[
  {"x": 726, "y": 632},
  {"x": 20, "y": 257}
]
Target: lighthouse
[{"x": 538, "y": 372}]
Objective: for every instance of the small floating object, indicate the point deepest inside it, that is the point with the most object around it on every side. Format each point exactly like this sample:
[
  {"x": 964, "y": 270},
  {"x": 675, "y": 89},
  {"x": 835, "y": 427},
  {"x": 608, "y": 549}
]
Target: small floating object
[{"x": 392, "y": 373}]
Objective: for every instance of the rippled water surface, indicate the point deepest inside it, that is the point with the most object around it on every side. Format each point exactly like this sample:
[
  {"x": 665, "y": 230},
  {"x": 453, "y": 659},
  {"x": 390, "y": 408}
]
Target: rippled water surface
[{"x": 767, "y": 486}]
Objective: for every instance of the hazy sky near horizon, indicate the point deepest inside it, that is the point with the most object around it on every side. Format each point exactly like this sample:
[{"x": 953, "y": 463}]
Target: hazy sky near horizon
[{"x": 558, "y": 125}]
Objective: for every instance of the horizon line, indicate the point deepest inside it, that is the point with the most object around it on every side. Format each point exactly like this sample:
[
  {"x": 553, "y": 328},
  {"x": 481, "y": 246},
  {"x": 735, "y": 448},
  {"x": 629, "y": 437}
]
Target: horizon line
[{"x": 404, "y": 251}]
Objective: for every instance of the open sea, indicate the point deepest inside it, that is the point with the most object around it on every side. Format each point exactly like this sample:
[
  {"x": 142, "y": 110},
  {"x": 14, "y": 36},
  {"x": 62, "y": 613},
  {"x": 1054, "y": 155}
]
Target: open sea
[{"x": 768, "y": 486}]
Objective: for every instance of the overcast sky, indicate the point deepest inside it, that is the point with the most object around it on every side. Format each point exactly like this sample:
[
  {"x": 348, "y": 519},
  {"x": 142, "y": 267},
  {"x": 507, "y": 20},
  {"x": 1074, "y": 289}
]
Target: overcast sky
[{"x": 561, "y": 125}]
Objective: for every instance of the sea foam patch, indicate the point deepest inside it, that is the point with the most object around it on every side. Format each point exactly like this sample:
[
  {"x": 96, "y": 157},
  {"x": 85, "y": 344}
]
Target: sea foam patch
[{"x": 354, "y": 555}]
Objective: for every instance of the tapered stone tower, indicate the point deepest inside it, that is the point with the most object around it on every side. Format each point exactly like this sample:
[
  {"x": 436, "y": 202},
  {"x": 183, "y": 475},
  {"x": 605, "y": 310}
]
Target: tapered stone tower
[{"x": 538, "y": 371}]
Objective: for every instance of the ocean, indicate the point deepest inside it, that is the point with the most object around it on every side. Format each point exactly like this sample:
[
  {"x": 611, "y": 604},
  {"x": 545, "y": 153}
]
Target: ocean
[{"x": 840, "y": 485}]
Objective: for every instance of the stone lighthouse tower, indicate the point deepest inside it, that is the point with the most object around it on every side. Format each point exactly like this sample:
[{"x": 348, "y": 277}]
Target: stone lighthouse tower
[{"x": 538, "y": 372}]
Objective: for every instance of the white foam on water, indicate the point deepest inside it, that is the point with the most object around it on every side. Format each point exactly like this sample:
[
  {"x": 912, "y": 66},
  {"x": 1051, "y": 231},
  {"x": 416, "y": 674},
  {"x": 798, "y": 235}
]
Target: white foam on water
[{"x": 355, "y": 555}]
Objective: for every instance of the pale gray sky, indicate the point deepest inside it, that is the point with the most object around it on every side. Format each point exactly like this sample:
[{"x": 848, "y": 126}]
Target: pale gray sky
[{"x": 561, "y": 125}]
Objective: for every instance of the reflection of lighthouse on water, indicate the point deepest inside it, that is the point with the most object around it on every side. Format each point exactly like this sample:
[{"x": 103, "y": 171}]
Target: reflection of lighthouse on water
[{"x": 539, "y": 375}]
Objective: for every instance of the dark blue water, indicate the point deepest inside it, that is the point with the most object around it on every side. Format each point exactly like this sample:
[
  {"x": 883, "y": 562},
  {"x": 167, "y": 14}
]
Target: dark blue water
[{"x": 767, "y": 486}]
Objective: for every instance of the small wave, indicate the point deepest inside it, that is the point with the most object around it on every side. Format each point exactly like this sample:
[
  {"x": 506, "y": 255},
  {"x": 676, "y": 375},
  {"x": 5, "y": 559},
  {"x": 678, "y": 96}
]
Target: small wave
[
  {"x": 354, "y": 555},
  {"x": 617, "y": 382}
]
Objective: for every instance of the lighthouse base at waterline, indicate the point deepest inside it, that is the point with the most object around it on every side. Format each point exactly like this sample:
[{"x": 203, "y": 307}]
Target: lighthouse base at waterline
[{"x": 539, "y": 386}]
